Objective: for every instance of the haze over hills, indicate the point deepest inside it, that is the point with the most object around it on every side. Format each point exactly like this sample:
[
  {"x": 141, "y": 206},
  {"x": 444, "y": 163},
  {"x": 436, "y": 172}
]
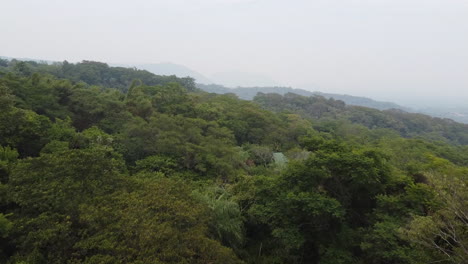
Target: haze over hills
[
  {"x": 247, "y": 85},
  {"x": 264, "y": 84},
  {"x": 244, "y": 79},
  {"x": 163, "y": 68},
  {"x": 226, "y": 78},
  {"x": 251, "y": 83},
  {"x": 458, "y": 114},
  {"x": 248, "y": 93},
  {"x": 168, "y": 68}
]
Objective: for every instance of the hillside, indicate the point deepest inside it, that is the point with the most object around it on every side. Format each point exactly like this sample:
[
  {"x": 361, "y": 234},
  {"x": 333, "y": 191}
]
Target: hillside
[
  {"x": 104, "y": 164},
  {"x": 248, "y": 93},
  {"x": 403, "y": 123},
  {"x": 94, "y": 73}
]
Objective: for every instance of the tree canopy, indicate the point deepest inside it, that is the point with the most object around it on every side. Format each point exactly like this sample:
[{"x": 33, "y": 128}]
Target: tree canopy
[{"x": 104, "y": 164}]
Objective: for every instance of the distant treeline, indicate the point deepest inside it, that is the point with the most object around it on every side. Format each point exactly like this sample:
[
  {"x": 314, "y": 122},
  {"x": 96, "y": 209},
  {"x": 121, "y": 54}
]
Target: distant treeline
[{"x": 248, "y": 93}]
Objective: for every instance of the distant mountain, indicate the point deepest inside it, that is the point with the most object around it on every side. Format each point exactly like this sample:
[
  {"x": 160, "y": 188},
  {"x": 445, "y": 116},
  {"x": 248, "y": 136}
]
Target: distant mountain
[
  {"x": 248, "y": 93},
  {"x": 364, "y": 101},
  {"x": 459, "y": 114},
  {"x": 242, "y": 79}
]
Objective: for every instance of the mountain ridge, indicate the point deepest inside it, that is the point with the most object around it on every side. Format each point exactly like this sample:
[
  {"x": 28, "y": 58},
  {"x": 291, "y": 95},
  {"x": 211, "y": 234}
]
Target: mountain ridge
[{"x": 248, "y": 93}]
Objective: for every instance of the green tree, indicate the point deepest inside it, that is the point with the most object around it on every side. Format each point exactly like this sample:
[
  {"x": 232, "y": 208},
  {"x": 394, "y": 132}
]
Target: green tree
[
  {"x": 23, "y": 130},
  {"x": 444, "y": 230},
  {"x": 48, "y": 191},
  {"x": 226, "y": 220},
  {"x": 157, "y": 222}
]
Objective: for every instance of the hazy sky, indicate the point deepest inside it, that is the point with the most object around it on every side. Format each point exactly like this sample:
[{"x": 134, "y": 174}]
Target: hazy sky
[{"x": 399, "y": 50}]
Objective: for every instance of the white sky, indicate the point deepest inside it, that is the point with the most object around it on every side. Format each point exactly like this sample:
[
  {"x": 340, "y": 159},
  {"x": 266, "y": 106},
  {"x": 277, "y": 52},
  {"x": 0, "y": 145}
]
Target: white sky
[{"x": 408, "y": 51}]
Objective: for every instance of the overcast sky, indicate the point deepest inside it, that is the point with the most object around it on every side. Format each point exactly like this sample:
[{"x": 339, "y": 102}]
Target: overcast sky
[{"x": 408, "y": 51}]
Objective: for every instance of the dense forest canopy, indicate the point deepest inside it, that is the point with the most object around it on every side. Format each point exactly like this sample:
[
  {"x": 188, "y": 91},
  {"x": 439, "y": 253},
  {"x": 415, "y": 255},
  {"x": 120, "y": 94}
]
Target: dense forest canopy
[
  {"x": 405, "y": 124},
  {"x": 115, "y": 165}
]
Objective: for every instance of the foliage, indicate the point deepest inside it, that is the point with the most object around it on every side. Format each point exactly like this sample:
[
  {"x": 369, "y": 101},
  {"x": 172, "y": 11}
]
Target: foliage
[
  {"x": 104, "y": 164},
  {"x": 444, "y": 229},
  {"x": 405, "y": 124},
  {"x": 157, "y": 222},
  {"x": 227, "y": 222}
]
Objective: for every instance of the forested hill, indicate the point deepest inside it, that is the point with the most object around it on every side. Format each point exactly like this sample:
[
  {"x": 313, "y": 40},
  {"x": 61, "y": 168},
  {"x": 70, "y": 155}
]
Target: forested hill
[
  {"x": 114, "y": 165},
  {"x": 403, "y": 123},
  {"x": 307, "y": 104},
  {"x": 459, "y": 114},
  {"x": 94, "y": 73},
  {"x": 326, "y": 107},
  {"x": 248, "y": 93}
]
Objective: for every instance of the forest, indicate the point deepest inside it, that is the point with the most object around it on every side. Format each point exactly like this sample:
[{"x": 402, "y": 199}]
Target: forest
[
  {"x": 248, "y": 93},
  {"x": 104, "y": 164}
]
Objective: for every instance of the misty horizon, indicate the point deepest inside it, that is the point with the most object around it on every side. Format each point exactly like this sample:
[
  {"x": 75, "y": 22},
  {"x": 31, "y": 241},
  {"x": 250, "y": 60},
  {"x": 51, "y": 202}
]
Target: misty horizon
[{"x": 408, "y": 52}]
